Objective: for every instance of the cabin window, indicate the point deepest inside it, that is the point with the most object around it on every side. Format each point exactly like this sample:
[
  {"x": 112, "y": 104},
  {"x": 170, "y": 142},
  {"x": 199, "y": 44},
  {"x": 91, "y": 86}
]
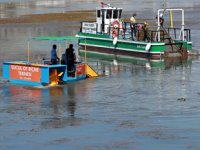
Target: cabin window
[
  {"x": 115, "y": 14},
  {"x": 98, "y": 13},
  {"x": 109, "y": 14}
]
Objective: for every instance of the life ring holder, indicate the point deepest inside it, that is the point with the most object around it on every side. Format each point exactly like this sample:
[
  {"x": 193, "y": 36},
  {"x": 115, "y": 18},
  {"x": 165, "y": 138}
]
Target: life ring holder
[{"x": 114, "y": 33}]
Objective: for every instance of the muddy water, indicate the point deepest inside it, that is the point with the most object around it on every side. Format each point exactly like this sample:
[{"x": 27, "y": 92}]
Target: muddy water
[{"x": 137, "y": 105}]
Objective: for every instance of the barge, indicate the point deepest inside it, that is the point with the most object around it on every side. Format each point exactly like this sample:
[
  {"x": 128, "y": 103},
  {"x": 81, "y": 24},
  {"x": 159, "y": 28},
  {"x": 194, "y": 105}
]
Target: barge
[
  {"x": 45, "y": 74},
  {"x": 111, "y": 35}
]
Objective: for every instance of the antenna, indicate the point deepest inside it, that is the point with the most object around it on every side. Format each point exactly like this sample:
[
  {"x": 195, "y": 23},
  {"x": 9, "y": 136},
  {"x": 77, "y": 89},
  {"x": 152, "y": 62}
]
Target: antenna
[
  {"x": 104, "y": 4},
  {"x": 164, "y": 6}
]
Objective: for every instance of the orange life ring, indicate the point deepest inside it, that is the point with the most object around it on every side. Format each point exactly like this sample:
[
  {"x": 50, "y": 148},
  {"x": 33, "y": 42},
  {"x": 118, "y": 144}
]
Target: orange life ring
[
  {"x": 114, "y": 33},
  {"x": 116, "y": 24}
]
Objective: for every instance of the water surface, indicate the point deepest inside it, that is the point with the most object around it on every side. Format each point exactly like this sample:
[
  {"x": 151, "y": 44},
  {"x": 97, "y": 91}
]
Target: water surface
[{"x": 136, "y": 105}]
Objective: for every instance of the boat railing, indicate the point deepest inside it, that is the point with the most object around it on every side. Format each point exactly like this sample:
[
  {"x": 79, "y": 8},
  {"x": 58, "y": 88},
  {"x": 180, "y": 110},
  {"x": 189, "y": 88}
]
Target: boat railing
[
  {"x": 167, "y": 34},
  {"x": 140, "y": 34},
  {"x": 175, "y": 33}
]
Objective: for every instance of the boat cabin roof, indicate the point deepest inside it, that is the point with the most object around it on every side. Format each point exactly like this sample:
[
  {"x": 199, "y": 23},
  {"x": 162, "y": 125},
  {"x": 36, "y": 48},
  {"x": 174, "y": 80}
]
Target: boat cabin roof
[{"x": 106, "y": 7}]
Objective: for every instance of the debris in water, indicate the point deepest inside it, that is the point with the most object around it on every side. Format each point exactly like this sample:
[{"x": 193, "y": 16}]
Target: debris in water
[{"x": 181, "y": 99}]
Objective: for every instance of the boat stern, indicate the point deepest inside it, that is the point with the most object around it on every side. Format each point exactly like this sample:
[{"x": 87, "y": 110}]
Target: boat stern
[{"x": 34, "y": 74}]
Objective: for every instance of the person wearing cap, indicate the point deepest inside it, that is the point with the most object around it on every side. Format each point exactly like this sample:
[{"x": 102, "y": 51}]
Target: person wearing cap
[
  {"x": 70, "y": 58},
  {"x": 145, "y": 29},
  {"x": 133, "y": 26}
]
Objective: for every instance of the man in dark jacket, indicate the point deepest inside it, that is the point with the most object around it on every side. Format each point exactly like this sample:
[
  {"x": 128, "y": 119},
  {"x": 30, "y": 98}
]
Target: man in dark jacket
[{"x": 70, "y": 58}]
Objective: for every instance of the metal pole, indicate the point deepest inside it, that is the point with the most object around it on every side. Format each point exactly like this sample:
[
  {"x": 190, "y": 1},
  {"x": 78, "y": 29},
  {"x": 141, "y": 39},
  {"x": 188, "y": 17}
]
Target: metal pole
[
  {"x": 158, "y": 30},
  {"x": 28, "y": 52},
  {"x": 85, "y": 53},
  {"x": 183, "y": 24},
  {"x": 171, "y": 19}
]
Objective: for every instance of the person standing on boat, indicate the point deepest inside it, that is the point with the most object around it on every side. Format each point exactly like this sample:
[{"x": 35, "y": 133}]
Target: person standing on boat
[
  {"x": 145, "y": 29},
  {"x": 133, "y": 26},
  {"x": 63, "y": 60},
  {"x": 161, "y": 20},
  {"x": 122, "y": 28},
  {"x": 70, "y": 58},
  {"x": 54, "y": 58}
]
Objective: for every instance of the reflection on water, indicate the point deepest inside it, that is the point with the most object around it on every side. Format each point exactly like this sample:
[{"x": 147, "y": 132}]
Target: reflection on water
[
  {"x": 72, "y": 100},
  {"x": 63, "y": 99},
  {"x": 53, "y": 123},
  {"x": 16, "y": 95},
  {"x": 57, "y": 101},
  {"x": 129, "y": 63}
]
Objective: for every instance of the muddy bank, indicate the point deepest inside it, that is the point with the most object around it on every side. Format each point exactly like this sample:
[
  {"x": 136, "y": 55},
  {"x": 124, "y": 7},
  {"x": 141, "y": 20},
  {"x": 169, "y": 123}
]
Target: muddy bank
[
  {"x": 69, "y": 16},
  {"x": 88, "y": 15}
]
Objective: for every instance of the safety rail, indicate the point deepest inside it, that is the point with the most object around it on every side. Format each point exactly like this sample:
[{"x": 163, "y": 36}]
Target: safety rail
[
  {"x": 176, "y": 34},
  {"x": 125, "y": 32},
  {"x": 167, "y": 35}
]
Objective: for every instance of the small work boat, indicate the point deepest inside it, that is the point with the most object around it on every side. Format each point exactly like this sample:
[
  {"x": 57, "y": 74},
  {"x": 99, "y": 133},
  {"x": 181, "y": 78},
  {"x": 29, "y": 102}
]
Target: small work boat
[
  {"x": 111, "y": 35},
  {"x": 45, "y": 74}
]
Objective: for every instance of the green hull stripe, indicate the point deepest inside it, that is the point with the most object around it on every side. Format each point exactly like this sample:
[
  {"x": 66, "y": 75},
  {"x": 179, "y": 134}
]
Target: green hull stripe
[
  {"x": 130, "y": 50},
  {"x": 124, "y": 41}
]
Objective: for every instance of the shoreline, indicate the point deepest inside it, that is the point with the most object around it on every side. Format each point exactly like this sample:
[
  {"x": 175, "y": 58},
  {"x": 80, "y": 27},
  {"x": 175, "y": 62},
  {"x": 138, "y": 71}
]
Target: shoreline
[
  {"x": 88, "y": 15},
  {"x": 68, "y": 16}
]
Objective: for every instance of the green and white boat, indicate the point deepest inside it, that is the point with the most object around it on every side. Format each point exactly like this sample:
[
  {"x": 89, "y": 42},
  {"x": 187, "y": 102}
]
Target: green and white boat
[{"x": 112, "y": 36}]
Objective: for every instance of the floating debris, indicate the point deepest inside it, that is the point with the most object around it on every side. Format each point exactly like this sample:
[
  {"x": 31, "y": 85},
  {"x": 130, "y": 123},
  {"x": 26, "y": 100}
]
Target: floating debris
[{"x": 181, "y": 99}]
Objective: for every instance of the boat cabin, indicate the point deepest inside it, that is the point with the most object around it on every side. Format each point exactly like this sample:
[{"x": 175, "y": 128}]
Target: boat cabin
[{"x": 105, "y": 15}]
